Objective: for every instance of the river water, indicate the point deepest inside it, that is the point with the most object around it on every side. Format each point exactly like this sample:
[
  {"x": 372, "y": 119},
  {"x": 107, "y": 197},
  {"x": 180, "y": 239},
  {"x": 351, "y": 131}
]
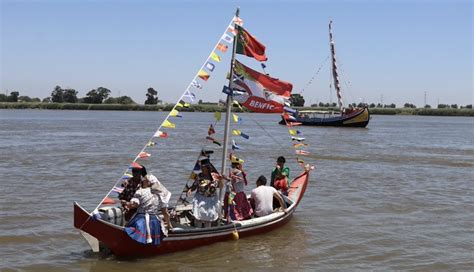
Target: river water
[{"x": 398, "y": 195}]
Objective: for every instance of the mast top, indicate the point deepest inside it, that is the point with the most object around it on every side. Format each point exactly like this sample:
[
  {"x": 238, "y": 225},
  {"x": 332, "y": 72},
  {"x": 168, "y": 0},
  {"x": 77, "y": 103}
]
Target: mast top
[{"x": 237, "y": 12}]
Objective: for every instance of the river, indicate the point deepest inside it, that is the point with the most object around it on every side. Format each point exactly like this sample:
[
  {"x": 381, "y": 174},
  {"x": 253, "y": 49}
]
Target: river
[{"x": 398, "y": 195}]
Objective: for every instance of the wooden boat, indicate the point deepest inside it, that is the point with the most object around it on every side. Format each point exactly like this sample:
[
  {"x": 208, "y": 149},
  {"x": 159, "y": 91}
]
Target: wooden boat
[
  {"x": 104, "y": 227},
  {"x": 345, "y": 117},
  {"x": 114, "y": 238}
]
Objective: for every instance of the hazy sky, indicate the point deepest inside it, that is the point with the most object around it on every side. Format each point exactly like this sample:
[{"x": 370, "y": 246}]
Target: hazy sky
[{"x": 396, "y": 49}]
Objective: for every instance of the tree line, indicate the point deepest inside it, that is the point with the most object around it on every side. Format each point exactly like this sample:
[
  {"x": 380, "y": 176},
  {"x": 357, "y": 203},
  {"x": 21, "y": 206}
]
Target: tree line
[{"x": 100, "y": 95}]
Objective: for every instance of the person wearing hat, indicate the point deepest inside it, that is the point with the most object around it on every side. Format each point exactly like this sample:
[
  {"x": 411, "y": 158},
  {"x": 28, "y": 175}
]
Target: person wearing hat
[
  {"x": 236, "y": 205},
  {"x": 206, "y": 200},
  {"x": 130, "y": 187},
  {"x": 146, "y": 226}
]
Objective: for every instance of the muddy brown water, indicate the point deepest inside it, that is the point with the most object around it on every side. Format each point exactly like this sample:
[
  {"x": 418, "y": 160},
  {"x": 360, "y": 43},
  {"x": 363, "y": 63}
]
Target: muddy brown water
[{"x": 398, "y": 195}]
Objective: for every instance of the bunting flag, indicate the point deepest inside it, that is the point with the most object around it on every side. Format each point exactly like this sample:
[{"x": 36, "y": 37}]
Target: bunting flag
[
  {"x": 135, "y": 165},
  {"x": 214, "y": 141},
  {"x": 302, "y": 152},
  {"x": 151, "y": 143},
  {"x": 290, "y": 110},
  {"x": 237, "y": 132},
  {"x": 249, "y": 46},
  {"x": 190, "y": 96},
  {"x": 235, "y": 159},
  {"x": 215, "y": 57},
  {"x": 175, "y": 113},
  {"x": 203, "y": 75},
  {"x": 234, "y": 145},
  {"x": 193, "y": 176},
  {"x": 232, "y": 30},
  {"x": 259, "y": 92},
  {"x": 293, "y": 124},
  {"x": 288, "y": 117},
  {"x": 222, "y": 47},
  {"x": 197, "y": 166},
  {"x": 294, "y": 132},
  {"x": 211, "y": 130},
  {"x": 238, "y": 21},
  {"x": 196, "y": 84},
  {"x": 117, "y": 189},
  {"x": 143, "y": 155},
  {"x": 160, "y": 134},
  {"x": 236, "y": 118},
  {"x": 299, "y": 145},
  {"x": 168, "y": 124},
  {"x": 126, "y": 176},
  {"x": 182, "y": 104},
  {"x": 300, "y": 161},
  {"x": 217, "y": 115},
  {"x": 227, "y": 38},
  {"x": 237, "y": 104},
  {"x": 299, "y": 139},
  {"x": 210, "y": 66}
]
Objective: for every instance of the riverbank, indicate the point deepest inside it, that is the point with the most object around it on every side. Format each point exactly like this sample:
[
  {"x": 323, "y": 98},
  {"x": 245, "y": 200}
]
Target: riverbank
[{"x": 214, "y": 107}]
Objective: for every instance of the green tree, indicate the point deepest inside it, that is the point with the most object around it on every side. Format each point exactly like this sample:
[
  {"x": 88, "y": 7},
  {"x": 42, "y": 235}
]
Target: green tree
[
  {"x": 427, "y": 106},
  {"x": 24, "y": 98},
  {"x": 297, "y": 100},
  {"x": 3, "y": 98},
  {"x": 454, "y": 106},
  {"x": 151, "y": 97},
  {"x": 57, "y": 95},
  {"x": 372, "y": 105},
  {"x": 13, "y": 97},
  {"x": 469, "y": 106},
  {"x": 97, "y": 96},
  {"x": 70, "y": 96},
  {"x": 46, "y": 100}
]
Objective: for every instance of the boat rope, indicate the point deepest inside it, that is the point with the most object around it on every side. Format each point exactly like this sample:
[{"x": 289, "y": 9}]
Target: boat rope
[{"x": 314, "y": 76}]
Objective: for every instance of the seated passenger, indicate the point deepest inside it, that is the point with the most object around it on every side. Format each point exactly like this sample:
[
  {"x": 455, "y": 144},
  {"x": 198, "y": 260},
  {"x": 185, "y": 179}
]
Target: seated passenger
[
  {"x": 236, "y": 205},
  {"x": 145, "y": 226},
  {"x": 262, "y": 198},
  {"x": 206, "y": 200},
  {"x": 280, "y": 176}
]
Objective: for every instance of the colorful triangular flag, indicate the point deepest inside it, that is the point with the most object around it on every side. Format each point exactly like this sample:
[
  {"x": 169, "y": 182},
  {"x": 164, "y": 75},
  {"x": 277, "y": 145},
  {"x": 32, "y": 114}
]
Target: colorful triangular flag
[
  {"x": 191, "y": 96},
  {"x": 196, "y": 84},
  {"x": 227, "y": 38},
  {"x": 203, "y": 75},
  {"x": 175, "y": 113},
  {"x": 302, "y": 152},
  {"x": 168, "y": 124},
  {"x": 222, "y": 47},
  {"x": 234, "y": 145},
  {"x": 160, "y": 134},
  {"x": 144, "y": 155},
  {"x": 213, "y": 140},
  {"x": 217, "y": 115},
  {"x": 215, "y": 57},
  {"x": 210, "y": 66},
  {"x": 211, "y": 130},
  {"x": 236, "y": 118}
]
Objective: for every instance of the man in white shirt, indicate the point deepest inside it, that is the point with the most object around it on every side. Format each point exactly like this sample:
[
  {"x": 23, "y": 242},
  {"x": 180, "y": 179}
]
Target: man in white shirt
[{"x": 262, "y": 198}]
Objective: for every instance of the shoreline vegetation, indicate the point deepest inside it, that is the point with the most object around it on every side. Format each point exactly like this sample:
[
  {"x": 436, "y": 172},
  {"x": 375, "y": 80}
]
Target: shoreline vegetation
[{"x": 214, "y": 107}]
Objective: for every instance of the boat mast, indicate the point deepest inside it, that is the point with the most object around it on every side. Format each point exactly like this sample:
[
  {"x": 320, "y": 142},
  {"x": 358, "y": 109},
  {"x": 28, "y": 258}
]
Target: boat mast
[
  {"x": 335, "y": 76},
  {"x": 229, "y": 103}
]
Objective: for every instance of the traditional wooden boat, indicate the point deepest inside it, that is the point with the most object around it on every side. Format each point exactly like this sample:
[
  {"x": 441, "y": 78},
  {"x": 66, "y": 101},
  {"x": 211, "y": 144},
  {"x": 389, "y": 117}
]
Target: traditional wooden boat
[
  {"x": 105, "y": 229},
  {"x": 345, "y": 117}
]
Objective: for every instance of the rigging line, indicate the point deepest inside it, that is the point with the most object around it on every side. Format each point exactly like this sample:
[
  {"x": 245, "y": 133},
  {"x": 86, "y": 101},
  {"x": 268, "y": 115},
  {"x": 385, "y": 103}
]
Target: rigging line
[
  {"x": 151, "y": 138},
  {"x": 314, "y": 76}
]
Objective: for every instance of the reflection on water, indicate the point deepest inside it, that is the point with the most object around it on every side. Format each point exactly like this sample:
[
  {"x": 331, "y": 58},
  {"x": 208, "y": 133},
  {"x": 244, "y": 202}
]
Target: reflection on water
[{"x": 397, "y": 195}]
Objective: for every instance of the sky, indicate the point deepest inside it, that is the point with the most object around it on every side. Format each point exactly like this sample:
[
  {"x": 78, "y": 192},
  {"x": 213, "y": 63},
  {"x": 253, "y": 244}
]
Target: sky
[{"x": 388, "y": 51}]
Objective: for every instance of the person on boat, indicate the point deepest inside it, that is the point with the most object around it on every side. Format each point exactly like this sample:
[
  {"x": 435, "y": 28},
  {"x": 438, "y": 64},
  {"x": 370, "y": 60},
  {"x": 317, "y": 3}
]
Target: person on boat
[
  {"x": 280, "y": 176},
  {"x": 236, "y": 205},
  {"x": 130, "y": 187},
  {"x": 262, "y": 198},
  {"x": 159, "y": 189},
  {"x": 146, "y": 226},
  {"x": 206, "y": 200}
]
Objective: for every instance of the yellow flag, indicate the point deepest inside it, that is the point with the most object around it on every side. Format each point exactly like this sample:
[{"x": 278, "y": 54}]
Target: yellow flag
[
  {"x": 174, "y": 113},
  {"x": 236, "y": 132},
  {"x": 236, "y": 118},
  {"x": 215, "y": 57},
  {"x": 168, "y": 124},
  {"x": 237, "y": 104},
  {"x": 292, "y": 132},
  {"x": 179, "y": 105},
  {"x": 217, "y": 115}
]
